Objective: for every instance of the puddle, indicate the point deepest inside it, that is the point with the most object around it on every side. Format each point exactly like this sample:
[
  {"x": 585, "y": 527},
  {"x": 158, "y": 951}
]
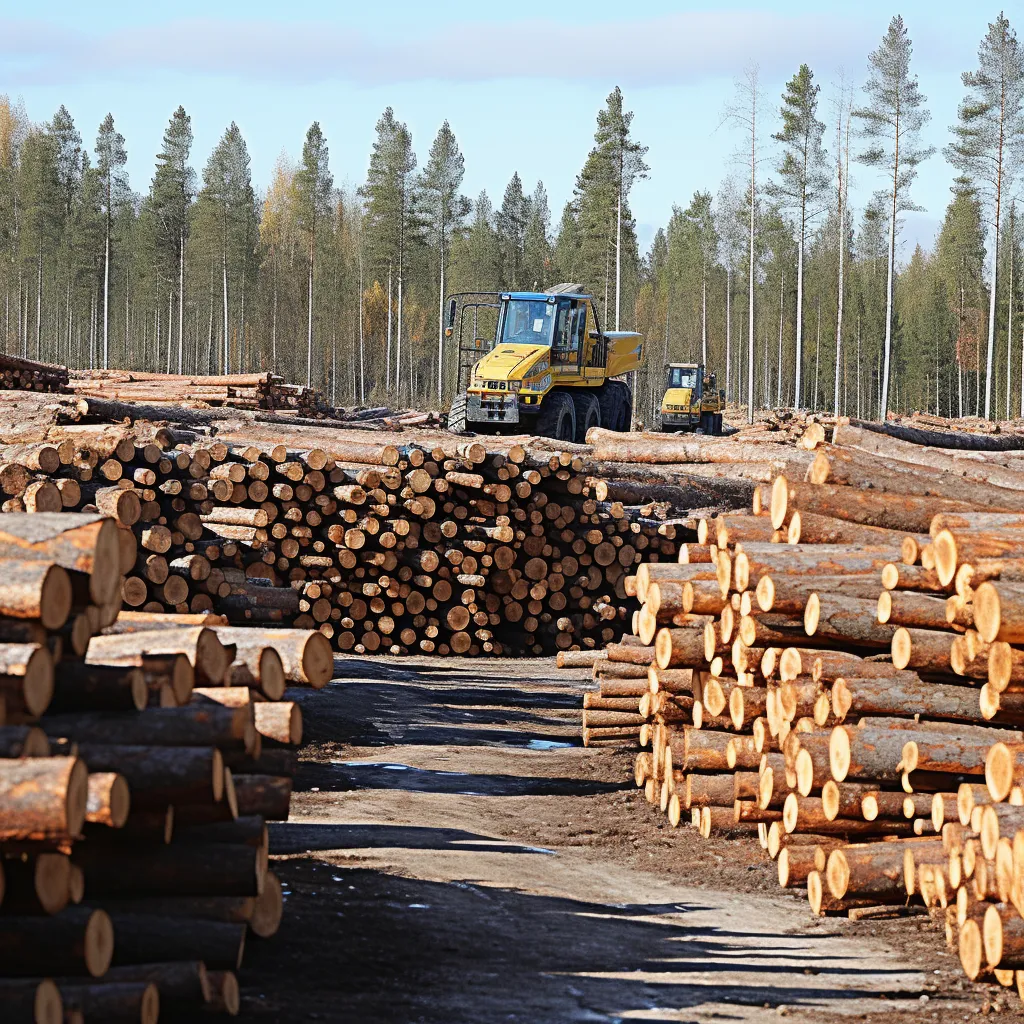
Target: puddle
[
  {"x": 548, "y": 745},
  {"x": 387, "y": 766}
]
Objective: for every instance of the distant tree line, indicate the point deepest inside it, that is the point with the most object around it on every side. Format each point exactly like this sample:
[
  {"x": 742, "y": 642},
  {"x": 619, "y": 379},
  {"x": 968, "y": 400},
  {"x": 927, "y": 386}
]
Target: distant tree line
[{"x": 774, "y": 280}]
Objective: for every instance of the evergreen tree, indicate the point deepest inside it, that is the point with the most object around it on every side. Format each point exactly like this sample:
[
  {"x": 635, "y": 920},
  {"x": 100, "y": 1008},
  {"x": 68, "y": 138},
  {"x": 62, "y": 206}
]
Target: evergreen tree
[
  {"x": 891, "y": 124},
  {"x": 511, "y": 225},
  {"x": 803, "y": 180},
  {"x": 989, "y": 141},
  {"x": 537, "y": 253},
  {"x": 476, "y": 256},
  {"x": 390, "y": 223},
  {"x": 227, "y": 205},
  {"x": 444, "y": 210},
  {"x": 170, "y": 198},
  {"x": 607, "y": 234},
  {"x": 111, "y": 157},
  {"x": 313, "y": 185}
]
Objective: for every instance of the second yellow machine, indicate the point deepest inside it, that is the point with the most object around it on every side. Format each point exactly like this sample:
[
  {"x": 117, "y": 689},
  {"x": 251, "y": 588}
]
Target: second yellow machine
[
  {"x": 692, "y": 399},
  {"x": 539, "y": 363}
]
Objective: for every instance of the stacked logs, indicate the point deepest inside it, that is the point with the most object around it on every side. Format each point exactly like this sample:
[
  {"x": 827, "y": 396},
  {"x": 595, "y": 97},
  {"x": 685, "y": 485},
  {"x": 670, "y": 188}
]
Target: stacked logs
[
  {"x": 140, "y": 757},
  {"x": 457, "y": 548},
  {"x": 28, "y": 375},
  {"x": 838, "y": 673},
  {"x": 264, "y": 390}
]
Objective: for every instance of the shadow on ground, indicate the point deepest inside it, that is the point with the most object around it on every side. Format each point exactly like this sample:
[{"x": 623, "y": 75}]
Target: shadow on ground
[{"x": 407, "y": 950}]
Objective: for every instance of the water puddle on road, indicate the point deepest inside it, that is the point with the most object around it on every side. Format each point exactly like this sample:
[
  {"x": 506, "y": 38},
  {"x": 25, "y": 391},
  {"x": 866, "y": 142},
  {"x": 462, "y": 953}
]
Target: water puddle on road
[{"x": 548, "y": 745}]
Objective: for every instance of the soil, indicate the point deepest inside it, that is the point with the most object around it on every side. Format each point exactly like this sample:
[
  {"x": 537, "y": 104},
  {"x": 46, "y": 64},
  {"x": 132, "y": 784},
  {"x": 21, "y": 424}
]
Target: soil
[{"x": 455, "y": 856}]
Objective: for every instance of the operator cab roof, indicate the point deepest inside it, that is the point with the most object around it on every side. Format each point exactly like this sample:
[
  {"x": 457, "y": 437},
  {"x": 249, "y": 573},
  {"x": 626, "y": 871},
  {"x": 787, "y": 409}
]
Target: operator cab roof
[{"x": 545, "y": 296}]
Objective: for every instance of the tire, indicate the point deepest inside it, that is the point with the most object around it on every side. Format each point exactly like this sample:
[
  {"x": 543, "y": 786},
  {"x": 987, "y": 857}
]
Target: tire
[
  {"x": 557, "y": 417},
  {"x": 588, "y": 414},
  {"x": 616, "y": 405},
  {"x": 457, "y": 414}
]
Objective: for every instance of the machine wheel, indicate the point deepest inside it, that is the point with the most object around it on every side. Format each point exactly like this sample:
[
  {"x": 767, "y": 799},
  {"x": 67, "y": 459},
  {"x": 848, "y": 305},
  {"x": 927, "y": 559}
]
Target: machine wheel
[
  {"x": 616, "y": 405},
  {"x": 457, "y": 414},
  {"x": 588, "y": 414},
  {"x": 557, "y": 417}
]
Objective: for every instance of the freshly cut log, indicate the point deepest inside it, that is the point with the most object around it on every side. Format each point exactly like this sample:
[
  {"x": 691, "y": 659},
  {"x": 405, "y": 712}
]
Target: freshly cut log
[
  {"x": 306, "y": 655},
  {"x": 679, "y": 648},
  {"x": 848, "y": 619},
  {"x": 208, "y": 655},
  {"x": 36, "y": 885},
  {"x": 23, "y": 741},
  {"x": 77, "y": 941},
  {"x": 812, "y": 528},
  {"x": 896, "y": 695},
  {"x": 109, "y": 799},
  {"x": 908, "y": 608},
  {"x": 1003, "y": 936},
  {"x": 822, "y": 902},
  {"x": 789, "y": 594},
  {"x": 903, "y": 512},
  {"x": 26, "y": 678},
  {"x": 999, "y": 612},
  {"x": 872, "y": 870},
  {"x": 924, "y": 650},
  {"x": 80, "y": 542},
  {"x": 42, "y": 798}
]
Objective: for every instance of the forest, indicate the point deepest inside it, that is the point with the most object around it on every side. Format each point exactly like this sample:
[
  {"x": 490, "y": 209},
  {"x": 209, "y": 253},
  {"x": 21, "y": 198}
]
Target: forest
[{"x": 770, "y": 276}]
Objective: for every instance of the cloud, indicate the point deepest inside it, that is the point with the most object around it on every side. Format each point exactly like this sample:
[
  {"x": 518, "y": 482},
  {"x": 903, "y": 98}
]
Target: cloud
[{"x": 678, "y": 49}]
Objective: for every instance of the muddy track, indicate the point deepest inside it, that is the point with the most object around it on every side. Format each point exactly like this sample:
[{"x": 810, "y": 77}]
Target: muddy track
[{"x": 455, "y": 857}]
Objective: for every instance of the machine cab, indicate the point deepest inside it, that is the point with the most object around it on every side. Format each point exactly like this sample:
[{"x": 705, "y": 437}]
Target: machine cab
[
  {"x": 688, "y": 376},
  {"x": 557, "y": 322}
]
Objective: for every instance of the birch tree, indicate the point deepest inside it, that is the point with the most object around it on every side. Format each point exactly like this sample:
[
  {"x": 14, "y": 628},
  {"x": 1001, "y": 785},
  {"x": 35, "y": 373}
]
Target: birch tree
[
  {"x": 844, "y": 116},
  {"x": 987, "y": 145},
  {"x": 444, "y": 209},
  {"x": 313, "y": 185},
  {"x": 891, "y": 124},
  {"x": 802, "y": 183}
]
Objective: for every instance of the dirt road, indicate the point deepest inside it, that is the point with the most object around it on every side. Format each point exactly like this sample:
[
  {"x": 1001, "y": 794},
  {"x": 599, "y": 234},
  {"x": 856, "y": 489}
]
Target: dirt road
[{"x": 455, "y": 857}]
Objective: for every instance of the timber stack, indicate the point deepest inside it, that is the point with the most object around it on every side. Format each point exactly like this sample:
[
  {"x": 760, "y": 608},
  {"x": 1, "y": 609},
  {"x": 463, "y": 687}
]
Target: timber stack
[
  {"x": 263, "y": 390},
  {"x": 28, "y": 375},
  {"x": 839, "y": 673},
  {"x": 140, "y": 758},
  {"x": 453, "y": 548}
]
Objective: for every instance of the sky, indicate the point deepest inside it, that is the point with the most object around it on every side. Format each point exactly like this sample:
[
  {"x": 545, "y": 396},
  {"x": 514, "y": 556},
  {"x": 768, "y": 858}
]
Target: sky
[{"x": 521, "y": 88}]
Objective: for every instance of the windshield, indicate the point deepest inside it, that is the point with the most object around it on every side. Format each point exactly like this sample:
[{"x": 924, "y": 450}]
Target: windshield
[
  {"x": 682, "y": 377},
  {"x": 527, "y": 322}
]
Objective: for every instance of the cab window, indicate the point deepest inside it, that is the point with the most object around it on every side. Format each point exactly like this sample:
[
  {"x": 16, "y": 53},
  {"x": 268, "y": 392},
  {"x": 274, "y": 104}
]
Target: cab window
[{"x": 682, "y": 377}]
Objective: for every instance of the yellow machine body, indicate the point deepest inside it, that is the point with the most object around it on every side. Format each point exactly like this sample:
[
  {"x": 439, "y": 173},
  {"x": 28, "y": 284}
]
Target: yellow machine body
[{"x": 692, "y": 400}]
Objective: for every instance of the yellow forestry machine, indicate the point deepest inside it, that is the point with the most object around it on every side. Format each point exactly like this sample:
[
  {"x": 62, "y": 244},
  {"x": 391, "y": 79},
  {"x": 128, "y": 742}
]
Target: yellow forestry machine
[
  {"x": 538, "y": 363},
  {"x": 692, "y": 400}
]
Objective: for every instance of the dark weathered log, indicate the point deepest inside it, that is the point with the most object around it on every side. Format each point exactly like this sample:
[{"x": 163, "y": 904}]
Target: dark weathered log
[
  {"x": 78, "y": 941},
  {"x": 148, "y": 939},
  {"x": 104, "y": 1000}
]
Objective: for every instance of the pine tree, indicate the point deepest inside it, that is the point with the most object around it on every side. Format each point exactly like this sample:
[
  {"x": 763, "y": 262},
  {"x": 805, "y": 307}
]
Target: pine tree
[
  {"x": 228, "y": 204},
  {"x": 511, "y": 225},
  {"x": 537, "y": 253},
  {"x": 111, "y": 157},
  {"x": 390, "y": 224},
  {"x": 601, "y": 203},
  {"x": 891, "y": 123},
  {"x": 802, "y": 180},
  {"x": 275, "y": 236},
  {"x": 170, "y": 198},
  {"x": 476, "y": 256},
  {"x": 988, "y": 142},
  {"x": 313, "y": 192},
  {"x": 444, "y": 210}
]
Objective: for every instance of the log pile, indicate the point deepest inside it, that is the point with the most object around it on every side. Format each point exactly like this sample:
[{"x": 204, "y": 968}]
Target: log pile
[
  {"x": 28, "y": 375},
  {"x": 839, "y": 673},
  {"x": 264, "y": 390},
  {"x": 140, "y": 758},
  {"x": 454, "y": 548}
]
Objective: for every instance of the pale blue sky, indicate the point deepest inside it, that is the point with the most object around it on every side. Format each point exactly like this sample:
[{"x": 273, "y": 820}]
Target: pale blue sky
[{"x": 520, "y": 87}]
